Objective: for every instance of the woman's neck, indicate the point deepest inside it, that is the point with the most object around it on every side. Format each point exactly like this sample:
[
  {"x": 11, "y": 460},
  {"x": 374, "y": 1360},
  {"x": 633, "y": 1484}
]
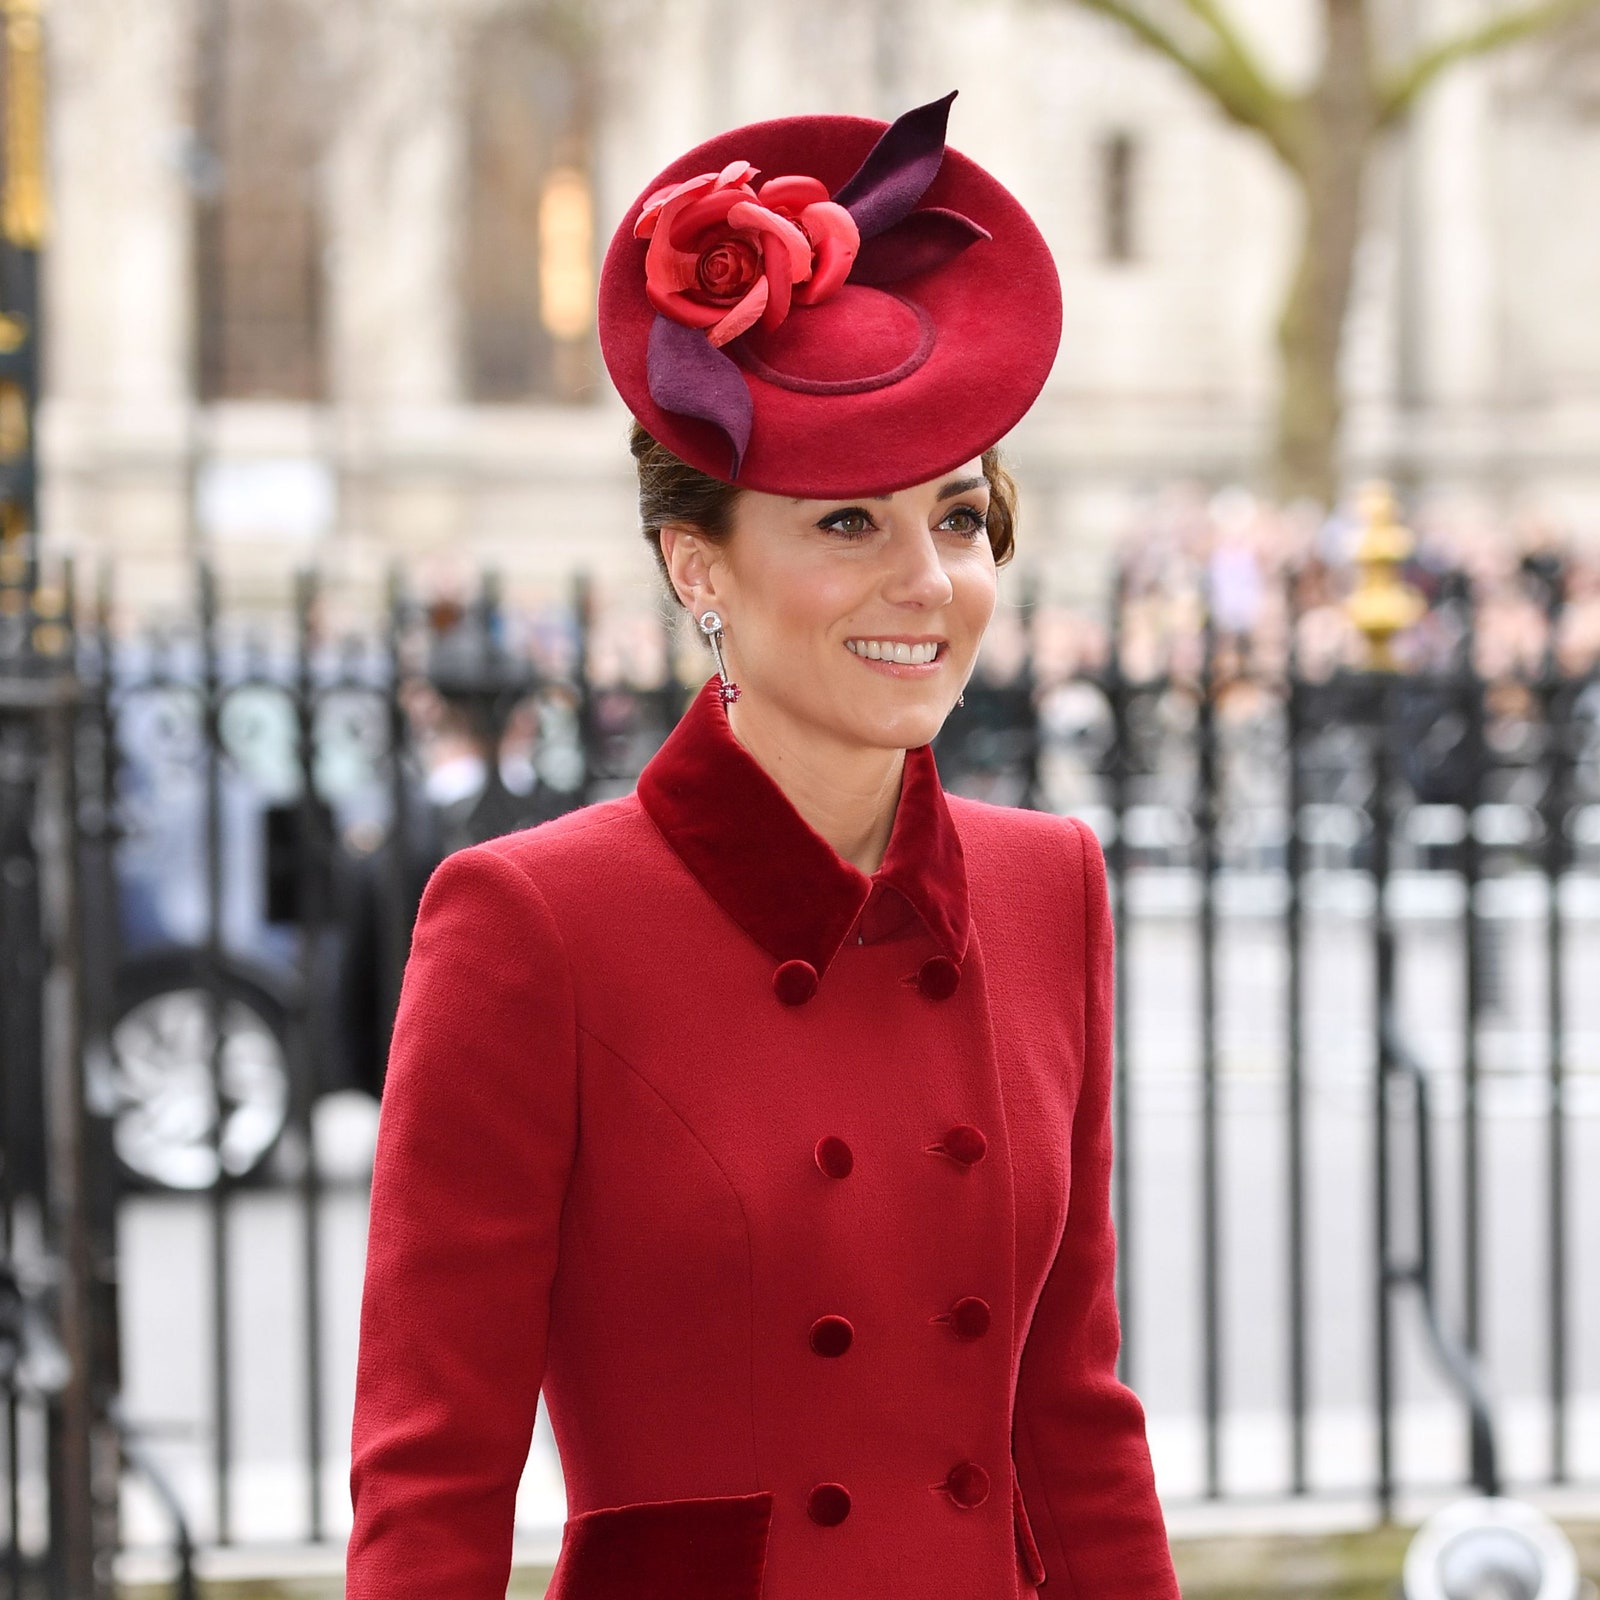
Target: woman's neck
[{"x": 847, "y": 793}]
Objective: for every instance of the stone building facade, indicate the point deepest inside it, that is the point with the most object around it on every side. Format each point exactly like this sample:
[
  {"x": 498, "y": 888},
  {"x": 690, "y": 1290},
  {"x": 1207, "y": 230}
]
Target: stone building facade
[{"x": 319, "y": 282}]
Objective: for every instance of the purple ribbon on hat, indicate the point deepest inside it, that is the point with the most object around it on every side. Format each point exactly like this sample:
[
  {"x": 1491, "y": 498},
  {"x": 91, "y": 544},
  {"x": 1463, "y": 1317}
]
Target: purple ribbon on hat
[{"x": 689, "y": 375}]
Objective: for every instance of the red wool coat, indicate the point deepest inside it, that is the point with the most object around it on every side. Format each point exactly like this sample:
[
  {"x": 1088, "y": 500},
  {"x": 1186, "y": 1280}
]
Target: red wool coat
[{"x": 789, "y": 1186}]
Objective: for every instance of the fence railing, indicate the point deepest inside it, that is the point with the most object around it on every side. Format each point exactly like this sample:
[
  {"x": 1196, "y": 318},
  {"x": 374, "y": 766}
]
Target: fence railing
[{"x": 1358, "y": 1095}]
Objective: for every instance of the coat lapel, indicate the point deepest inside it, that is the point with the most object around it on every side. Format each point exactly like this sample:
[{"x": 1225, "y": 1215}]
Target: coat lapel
[{"x": 775, "y": 876}]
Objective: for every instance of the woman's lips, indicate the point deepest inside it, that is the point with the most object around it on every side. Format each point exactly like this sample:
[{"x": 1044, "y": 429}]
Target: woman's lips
[{"x": 882, "y": 662}]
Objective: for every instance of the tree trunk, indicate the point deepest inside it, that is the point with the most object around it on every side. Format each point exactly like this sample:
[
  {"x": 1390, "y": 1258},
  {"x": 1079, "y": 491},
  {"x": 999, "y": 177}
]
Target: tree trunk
[
  {"x": 1310, "y": 339},
  {"x": 1337, "y": 130}
]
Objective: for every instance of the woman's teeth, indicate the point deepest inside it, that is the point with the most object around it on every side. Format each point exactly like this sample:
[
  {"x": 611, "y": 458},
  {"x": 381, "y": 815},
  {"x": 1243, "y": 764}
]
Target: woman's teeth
[{"x": 889, "y": 650}]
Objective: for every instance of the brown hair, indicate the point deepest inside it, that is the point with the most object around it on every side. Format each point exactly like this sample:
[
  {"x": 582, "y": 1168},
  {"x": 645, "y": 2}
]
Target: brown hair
[{"x": 670, "y": 490}]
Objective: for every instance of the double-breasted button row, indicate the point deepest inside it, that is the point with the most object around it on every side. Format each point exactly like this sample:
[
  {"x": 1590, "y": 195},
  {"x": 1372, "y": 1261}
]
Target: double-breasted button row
[
  {"x": 968, "y": 1318},
  {"x": 963, "y": 1144},
  {"x": 795, "y": 982},
  {"x": 966, "y": 1483}
]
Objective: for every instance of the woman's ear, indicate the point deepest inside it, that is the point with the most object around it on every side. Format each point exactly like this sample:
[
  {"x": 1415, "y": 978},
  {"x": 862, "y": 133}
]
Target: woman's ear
[{"x": 692, "y": 564}]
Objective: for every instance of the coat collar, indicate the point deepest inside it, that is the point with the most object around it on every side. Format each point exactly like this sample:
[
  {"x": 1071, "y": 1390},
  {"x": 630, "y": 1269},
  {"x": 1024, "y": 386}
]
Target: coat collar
[{"x": 780, "y": 880}]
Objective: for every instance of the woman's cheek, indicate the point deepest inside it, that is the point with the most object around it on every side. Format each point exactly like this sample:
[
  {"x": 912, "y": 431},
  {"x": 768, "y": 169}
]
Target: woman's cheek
[{"x": 976, "y": 591}]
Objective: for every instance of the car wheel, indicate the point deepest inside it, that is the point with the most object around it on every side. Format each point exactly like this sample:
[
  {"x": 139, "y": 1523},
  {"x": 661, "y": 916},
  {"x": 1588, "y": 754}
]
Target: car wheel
[{"x": 159, "y": 1091}]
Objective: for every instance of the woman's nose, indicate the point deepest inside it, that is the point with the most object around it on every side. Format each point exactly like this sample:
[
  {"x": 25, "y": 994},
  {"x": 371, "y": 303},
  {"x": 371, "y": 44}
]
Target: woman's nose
[{"x": 918, "y": 577}]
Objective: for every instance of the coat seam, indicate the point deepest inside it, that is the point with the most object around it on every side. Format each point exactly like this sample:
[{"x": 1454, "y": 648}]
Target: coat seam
[
  {"x": 577, "y": 1077},
  {"x": 744, "y": 1217},
  {"x": 572, "y": 992},
  {"x": 1078, "y": 828},
  {"x": 975, "y": 956},
  {"x": 526, "y": 878}
]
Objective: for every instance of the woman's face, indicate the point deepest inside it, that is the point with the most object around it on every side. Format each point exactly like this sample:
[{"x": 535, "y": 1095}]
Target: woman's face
[{"x": 859, "y": 619}]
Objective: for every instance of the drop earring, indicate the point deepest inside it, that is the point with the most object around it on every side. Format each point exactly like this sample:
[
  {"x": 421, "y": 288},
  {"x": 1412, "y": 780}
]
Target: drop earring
[{"x": 711, "y": 627}]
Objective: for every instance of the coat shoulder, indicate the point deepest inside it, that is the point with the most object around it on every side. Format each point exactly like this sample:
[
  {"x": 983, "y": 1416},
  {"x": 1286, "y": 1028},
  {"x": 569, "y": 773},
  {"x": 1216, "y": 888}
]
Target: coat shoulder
[
  {"x": 1040, "y": 837},
  {"x": 599, "y": 861},
  {"x": 1034, "y": 866},
  {"x": 577, "y": 841}
]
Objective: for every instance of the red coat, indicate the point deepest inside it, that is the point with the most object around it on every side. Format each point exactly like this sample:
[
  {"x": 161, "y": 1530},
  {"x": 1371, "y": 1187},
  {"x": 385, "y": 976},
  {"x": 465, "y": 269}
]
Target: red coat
[{"x": 790, "y": 1188}]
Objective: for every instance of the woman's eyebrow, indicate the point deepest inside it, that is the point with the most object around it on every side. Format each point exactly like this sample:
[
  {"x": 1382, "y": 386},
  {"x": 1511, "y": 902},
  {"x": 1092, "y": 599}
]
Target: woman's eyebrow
[
  {"x": 955, "y": 486},
  {"x": 961, "y": 486}
]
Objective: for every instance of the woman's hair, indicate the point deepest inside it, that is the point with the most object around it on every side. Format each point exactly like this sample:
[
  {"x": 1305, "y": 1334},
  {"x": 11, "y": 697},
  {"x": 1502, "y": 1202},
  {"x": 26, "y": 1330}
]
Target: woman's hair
[{"x": 670, "y": 490}]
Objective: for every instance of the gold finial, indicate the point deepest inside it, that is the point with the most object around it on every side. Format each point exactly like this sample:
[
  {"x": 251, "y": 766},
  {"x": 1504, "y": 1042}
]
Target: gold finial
[
  {"x": 13, "y": 421},
  {"x": 1382, "y": 604},
  {"x": 24, "y": 212}
]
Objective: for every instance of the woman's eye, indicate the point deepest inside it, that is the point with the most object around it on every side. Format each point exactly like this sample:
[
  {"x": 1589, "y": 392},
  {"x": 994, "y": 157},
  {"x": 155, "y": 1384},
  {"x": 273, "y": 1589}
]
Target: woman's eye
[
  {"x": 862, "y": 523},
  {"x": 971, "y": 520}
]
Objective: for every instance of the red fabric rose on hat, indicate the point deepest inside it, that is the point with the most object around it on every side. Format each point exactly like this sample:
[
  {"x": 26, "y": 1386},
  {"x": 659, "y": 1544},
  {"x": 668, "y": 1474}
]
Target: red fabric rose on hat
[{"x": 724, "y": 256}]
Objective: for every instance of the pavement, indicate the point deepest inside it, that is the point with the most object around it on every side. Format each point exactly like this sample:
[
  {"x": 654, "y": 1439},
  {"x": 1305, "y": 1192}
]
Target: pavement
[{"x": 1339, "y": 1566}]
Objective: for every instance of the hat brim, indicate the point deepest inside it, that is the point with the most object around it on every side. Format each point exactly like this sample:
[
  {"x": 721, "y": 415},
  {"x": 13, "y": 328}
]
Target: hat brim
[{"x": 995, "y": 309}]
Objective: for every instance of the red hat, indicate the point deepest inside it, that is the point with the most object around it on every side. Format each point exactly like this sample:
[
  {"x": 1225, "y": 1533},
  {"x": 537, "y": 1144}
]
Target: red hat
[{"x": 828, "y": 305}]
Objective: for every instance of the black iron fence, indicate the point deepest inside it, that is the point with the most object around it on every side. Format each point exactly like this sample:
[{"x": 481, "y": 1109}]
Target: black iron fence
[{"x": 1359, "y": 1091}]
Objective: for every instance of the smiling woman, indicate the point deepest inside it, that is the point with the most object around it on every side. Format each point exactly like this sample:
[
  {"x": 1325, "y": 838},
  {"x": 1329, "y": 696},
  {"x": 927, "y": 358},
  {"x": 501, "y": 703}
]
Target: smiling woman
[
  {"x": 904, "y": 583},
  {"x": 759, "y": 1121}
]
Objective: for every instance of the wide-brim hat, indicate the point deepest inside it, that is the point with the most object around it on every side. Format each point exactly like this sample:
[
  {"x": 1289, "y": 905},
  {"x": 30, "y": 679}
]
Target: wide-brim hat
[{"x": 829, "y": 305}]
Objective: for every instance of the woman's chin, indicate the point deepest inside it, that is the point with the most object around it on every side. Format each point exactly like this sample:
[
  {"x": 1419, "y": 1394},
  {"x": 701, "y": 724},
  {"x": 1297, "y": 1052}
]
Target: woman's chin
[
  {"x": 886, "y": 715},
  {"x": 902, "y": 727}
]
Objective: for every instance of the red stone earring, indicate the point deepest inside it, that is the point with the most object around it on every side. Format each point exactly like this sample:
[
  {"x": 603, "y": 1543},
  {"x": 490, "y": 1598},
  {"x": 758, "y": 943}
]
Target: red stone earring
[{"x": 711, "y": 627}]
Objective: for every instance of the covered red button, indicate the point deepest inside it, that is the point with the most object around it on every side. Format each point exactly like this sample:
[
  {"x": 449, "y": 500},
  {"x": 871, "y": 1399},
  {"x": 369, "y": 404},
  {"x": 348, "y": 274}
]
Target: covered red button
[
  {"x": 969, "y": 1317},
  {"x": 831, "y": 1336},
  {"x": 795, "y": 982},
  {"x": 834, "y": 1157},
  {"x": 964, "y": 1143},
  {"x": 828, "y": 1504},
  {"x": 938, "y": 977},
  {"x": 967, "y": 1484}
]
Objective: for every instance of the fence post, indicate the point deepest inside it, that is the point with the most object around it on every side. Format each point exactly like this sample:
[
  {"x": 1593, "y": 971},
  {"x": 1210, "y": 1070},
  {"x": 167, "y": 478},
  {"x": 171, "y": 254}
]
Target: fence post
[{"x": 41, "y": 707}]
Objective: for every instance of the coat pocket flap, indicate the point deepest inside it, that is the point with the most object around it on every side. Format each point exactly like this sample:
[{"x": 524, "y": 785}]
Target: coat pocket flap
[
  {"x": 1027, "y": 1549},
  {"x": 709, "y": 1548}
]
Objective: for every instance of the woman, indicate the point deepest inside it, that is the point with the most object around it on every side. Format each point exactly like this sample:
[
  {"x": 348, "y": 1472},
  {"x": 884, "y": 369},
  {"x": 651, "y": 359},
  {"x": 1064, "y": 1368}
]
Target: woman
[{"x": 762, "y": 1116}]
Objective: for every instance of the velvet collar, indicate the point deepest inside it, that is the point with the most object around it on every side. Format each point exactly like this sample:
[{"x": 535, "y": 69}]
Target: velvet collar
[{"x": 779, "y": 879}]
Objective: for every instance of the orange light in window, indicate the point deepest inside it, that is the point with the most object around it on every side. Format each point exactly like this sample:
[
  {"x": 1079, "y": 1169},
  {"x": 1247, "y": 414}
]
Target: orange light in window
[{"x": 566, "y": 253}]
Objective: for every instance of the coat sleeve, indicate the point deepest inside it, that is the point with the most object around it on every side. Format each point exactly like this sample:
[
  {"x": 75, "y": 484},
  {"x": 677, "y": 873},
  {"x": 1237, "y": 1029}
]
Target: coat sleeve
[
  {"x": 475, "y": 1139},
  {"x": 1079, "y": 1434}
]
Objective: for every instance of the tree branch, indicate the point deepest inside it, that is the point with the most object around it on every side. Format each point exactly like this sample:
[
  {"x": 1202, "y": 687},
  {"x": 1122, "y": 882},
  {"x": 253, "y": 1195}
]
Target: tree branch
[
  {"x": 1234, "y": 49},
  {"x": 1230, "y": 75},
  {"x": 1402, "y": 87},
  {"x": 1151, "y": 32}
]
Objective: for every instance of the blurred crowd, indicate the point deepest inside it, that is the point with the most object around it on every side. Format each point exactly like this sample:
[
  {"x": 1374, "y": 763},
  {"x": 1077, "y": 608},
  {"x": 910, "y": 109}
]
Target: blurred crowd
[{"x": 1522, "y": 599}]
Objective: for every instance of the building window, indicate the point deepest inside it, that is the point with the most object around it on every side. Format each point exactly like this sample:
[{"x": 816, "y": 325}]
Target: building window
[
  {"x": 530, "y": 253},
  {"x": 258, "y": 235},
  {"x": 566, "y": 254},
  {"x": 1119, "y": 161}
]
